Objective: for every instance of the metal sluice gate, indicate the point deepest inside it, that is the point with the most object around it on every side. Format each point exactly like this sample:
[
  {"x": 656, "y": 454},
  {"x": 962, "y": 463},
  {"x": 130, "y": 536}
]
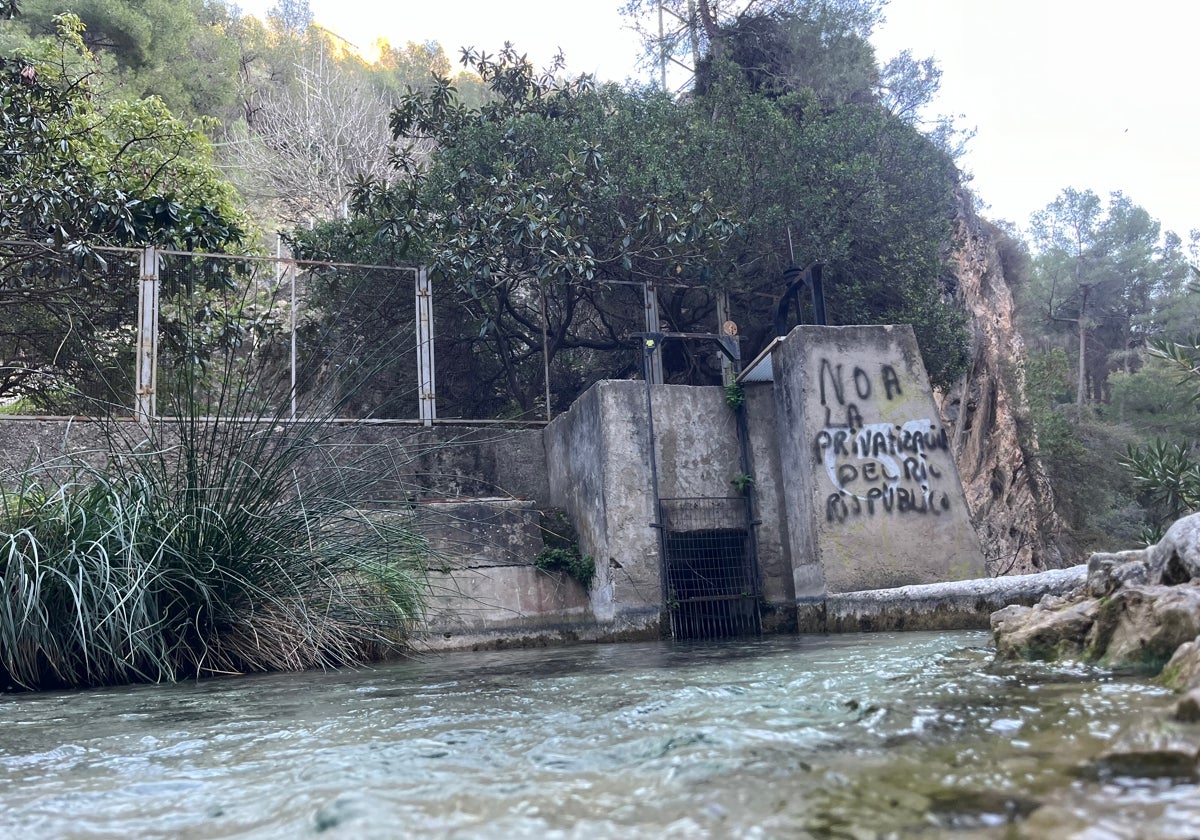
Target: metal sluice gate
[{"x": 709, "y": 568}]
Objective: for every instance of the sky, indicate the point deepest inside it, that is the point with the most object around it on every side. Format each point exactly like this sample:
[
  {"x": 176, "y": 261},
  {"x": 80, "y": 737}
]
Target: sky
[{"x": 1060, "y": 93}]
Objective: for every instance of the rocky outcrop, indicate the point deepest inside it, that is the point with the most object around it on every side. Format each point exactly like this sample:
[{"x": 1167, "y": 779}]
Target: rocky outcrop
[
  {"x": 1008, "y": 492},
  {"x": 1138, "y": 610}
]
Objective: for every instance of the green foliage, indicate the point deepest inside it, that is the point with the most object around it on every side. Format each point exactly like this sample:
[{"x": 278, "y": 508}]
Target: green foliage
[
  {"x": 178, "y": 51},
  {"x": 539, "y": 204},
  {"x": 1081, "y": 453},
  {"x": 1101, "y": 281},
  {"x": 79, "y": 166},
  {"x": 735, "y": 396},
  {"x": 569, "y": 561},
  {"x": 785, "y": 52},
  {"x": 1167, "y": 474},
  {"x": 742, "y": 482},
  {"x": 1153, "y": 400},
  {"x": 79, "y": 169},
  {"x": 561, "y": 552}
]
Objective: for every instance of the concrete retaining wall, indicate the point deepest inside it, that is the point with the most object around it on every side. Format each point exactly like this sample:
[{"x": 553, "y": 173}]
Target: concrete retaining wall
[
  {"x": 414, "y": 461},
  {"x": 485, "y": 590},
  {"x": 872, "y": 495},
  {"x": 854, "y": 491}
]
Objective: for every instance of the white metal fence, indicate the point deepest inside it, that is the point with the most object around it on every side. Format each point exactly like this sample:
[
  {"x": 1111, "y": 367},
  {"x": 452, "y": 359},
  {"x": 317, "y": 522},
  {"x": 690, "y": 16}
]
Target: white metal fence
[
  {"x": 38, "y": 279},
  {"x": 314, "y": 323}
]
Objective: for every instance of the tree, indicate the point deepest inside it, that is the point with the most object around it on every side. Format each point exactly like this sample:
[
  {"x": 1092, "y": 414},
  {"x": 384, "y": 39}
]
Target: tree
[
  {"x": 1167, "y": 473},
  {"x": 541, "y": 204},
  {"x": 292, "y": 17},
  {"x": 521, "y": 213},
  {"x": 684, "y": 31},
  {"x": 178, "y": 51},
  {"x": 783, "y": 52},
  {"x": 1103, "y": 270},
  {"x": 309, "y": 140},
  {"x": 79, "y": 169}
]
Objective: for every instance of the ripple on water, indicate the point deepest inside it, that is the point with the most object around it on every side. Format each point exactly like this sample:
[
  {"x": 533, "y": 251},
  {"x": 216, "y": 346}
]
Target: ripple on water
[{"x": 899, "y": 735}]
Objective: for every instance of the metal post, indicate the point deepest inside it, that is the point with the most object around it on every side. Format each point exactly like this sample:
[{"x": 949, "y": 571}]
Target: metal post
[
  {"x": 724, "y": 325},
  {"x": 654, "y": 364},
  {"x": 546, "y": 354},
  {"x": 818, "y": 293},
  {"x": 662, "y": 48},
  {"x": 651, "y": 342},
  {"x": 279, "y": 270},
  {"x": 425, "y": 367},
  {"x": 146, "y": 356}
]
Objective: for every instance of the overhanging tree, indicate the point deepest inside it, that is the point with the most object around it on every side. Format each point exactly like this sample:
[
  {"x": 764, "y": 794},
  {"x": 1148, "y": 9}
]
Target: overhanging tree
[
  {"x": 555, "y": 192},
  {"x": 79, "y": 169}
]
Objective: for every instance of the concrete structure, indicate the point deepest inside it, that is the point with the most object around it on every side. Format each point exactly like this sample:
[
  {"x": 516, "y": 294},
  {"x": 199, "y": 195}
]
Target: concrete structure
[
  {"x": 837, "y": 479},
  {"x": 854, "y": 485},
  {"x": 871, "y": 490},
  {"x": 485, "y": 590}
]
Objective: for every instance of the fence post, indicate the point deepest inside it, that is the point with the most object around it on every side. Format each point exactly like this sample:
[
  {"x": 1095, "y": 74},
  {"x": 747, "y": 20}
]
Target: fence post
[
  {"x": 425, "y": 369},
  {"x": 723, "y": 326},
  {"x": 146, "y": 356},
  {"x": 654, "y": 365},
  {"x": 290, "y": 270}
]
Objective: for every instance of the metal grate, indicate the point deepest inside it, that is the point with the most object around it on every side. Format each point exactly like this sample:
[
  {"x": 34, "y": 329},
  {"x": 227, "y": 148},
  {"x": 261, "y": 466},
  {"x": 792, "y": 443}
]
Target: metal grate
[{"x": 710, "y": 576}]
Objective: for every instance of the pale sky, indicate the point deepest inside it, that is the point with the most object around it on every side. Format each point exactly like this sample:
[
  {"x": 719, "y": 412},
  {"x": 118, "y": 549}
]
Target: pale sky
[{"x": 1092, "y": 94}]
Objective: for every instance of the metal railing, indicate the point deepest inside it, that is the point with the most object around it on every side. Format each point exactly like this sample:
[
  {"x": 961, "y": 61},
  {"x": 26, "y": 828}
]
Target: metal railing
[{"x": 156, "y": 302}]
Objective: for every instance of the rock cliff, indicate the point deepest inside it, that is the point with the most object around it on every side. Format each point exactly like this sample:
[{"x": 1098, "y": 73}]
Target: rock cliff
[{"x": 1007, "y": 489}]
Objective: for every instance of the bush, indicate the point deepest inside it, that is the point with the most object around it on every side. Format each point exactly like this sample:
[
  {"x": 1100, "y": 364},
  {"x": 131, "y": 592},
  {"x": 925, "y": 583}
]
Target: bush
[
  {"x": 225, "y": 552},
  {"x": 561, "y": 553}
]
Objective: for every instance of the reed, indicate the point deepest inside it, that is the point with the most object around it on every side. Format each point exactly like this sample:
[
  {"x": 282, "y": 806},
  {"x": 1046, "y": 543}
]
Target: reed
[{"x": 230, "y": 538}]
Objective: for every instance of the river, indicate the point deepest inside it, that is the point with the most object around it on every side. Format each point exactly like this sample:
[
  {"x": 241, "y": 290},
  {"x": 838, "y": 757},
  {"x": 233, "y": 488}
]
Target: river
[{"x": 857, "y": 736}]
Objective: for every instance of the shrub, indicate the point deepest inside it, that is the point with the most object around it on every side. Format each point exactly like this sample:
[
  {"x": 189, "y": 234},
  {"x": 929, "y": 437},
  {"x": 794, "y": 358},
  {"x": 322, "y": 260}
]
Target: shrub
[{"x": 561, "y": 552}]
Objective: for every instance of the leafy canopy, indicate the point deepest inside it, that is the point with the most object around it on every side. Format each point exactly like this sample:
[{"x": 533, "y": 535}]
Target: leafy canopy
[{"x": 537, "y": 205}]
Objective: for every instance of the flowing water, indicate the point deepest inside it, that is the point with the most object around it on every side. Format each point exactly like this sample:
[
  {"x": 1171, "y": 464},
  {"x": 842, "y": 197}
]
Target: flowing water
[{"x": 871, "y": 736}]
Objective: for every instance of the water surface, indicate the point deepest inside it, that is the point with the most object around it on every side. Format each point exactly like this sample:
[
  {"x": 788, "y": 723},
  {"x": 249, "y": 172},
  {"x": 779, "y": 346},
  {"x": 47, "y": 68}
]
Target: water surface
[{"x": 858, "y": 736}]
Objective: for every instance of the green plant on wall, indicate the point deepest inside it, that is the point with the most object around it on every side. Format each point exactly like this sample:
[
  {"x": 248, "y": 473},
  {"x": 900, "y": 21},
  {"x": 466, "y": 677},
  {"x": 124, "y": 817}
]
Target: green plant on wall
[
  {"x": 581, "y": 567},
  {"x": 742, "y": 482},
  {"x": 735, "y": 397},
  {"x": 561, "y": 552}
]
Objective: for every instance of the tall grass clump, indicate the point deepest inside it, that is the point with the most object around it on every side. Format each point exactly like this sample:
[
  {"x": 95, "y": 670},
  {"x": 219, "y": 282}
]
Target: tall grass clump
[{"x": 225, "y": 537}]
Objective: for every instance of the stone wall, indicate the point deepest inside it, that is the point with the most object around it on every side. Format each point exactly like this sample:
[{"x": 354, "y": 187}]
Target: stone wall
[{"x": 414, "y": 462}]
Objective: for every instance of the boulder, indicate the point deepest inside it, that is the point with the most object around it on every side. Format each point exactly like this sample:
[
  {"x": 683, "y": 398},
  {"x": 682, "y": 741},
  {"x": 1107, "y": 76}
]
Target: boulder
[
  {"x": 1140, "y": 627},
  {"x": 1187, "y": 710},
  {"x": 1150, "y": 750},
  {"x": 1182, "y": 672},
  {"x": 1109, "y": 572},
  {"x": 1134, "y": 612},
  {"x": 1176, "y": 557},
  {"x": 1055, "y": 628}
]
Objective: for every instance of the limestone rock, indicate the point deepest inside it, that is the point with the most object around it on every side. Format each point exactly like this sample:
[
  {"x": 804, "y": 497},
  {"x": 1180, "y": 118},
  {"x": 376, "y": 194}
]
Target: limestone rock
[
  {"x": 1176, "y": 558},
  {"x": 1182, "y": 672},
  {"x": 1140, "y": 627},
  {"x": 1052, "y": 629},
  {"x": 1151, "y": 750},
  {"x": 1187, "y": 710},
  {"x": 1007, "y": 489},
  {"x": 1109, "y": 572}
]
